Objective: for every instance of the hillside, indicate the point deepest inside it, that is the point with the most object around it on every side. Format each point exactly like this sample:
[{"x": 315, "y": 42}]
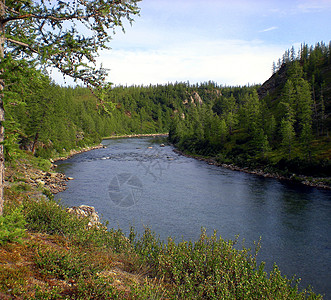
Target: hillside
[
  {"x": 281, "y": 128},
  {"x": 316, "y": 69}
]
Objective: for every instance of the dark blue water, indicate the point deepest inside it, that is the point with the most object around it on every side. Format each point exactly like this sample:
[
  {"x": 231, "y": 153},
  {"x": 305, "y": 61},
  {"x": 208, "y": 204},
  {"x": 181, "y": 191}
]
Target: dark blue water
[{"x": 137, "y": 182}]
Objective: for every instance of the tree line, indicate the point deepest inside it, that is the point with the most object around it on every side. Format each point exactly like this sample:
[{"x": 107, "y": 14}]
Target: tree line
[
  {"x": 49, "y": 120},
  {"x": 284, "y": 124},
  {"x": 239, "y": 124}
]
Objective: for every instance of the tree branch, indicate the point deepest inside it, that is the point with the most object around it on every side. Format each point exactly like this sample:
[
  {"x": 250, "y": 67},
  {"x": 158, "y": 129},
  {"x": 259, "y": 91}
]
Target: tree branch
[
  {"x": 46, "y": 17},
  {"x": 21, "y": 44}
]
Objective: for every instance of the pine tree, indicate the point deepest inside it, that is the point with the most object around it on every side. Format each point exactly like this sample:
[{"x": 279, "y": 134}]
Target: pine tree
[
  {"x": 223, "y": 130},
  {"x": 304, "y": 104},
  {"x": 230, "y": 112},
  {"x": 251, "y": 114},
  {"x": 288, "y": 135}
]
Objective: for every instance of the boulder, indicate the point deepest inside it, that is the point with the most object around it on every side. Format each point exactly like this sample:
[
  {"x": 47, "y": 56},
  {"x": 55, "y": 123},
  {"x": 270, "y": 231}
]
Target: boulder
[{"x": 86, "y": 211}]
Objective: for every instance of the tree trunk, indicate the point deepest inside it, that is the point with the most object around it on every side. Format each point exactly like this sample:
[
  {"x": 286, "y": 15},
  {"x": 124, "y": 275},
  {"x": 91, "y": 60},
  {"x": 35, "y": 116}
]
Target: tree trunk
[
  {"x": 2, "y": 112},
  {"x": 35, "y": 142}
]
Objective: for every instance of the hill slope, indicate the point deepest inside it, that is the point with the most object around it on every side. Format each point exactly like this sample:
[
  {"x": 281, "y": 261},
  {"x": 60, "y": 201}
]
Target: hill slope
[{"x": 280, "y": 127}]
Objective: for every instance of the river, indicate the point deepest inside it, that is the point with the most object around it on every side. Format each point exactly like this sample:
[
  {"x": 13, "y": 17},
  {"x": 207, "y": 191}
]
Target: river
[{"x": 137, "y": 182}]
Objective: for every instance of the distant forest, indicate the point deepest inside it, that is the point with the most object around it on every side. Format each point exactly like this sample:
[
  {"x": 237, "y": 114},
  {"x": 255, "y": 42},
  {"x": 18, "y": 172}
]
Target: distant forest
[{"x": 285, "y": 123}]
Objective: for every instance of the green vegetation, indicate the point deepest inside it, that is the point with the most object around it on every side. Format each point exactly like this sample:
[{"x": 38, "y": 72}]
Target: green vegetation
[
  {"x": 49, "y": 120},
  {"x": 12, "y": 227},
  {"x": 47, "y": 253},
  {"x": 282, "y": 126},
  {"x": 65, "y": 35}
]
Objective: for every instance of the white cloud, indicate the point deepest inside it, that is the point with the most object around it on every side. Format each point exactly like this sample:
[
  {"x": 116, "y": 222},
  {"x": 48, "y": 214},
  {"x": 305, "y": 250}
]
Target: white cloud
[
  {"x": 230, "y": 62},
  {"x": 269, "y": 29}
]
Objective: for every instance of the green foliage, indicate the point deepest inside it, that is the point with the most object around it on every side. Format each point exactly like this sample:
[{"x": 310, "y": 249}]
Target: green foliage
[
  {"x": 85, "y": 288},
  {"x": 65, "y": 265},
  {"x": 252, "y": 128},
  {"x": 52, "y": 293},
  {"x": 50, "y": 217},
  {"x": 48, "y": 33},
  {"x": 13, "y": 279},
  {"x": 12, "y": 226},
  {"x": 46, "y": 30},
  {"x": 50, "y": 120},
  {"x": 288, "y": 135},
  {"x": 212, "y": 268},
  {"x": 95, "y": 288}
]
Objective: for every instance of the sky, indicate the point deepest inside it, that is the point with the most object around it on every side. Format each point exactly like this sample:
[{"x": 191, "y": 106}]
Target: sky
[{"x": 230, "y": 42}]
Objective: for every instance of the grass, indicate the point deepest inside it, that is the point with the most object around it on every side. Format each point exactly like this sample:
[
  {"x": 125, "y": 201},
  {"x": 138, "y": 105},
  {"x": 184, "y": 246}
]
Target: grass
[{"x": 58, "y": 257}]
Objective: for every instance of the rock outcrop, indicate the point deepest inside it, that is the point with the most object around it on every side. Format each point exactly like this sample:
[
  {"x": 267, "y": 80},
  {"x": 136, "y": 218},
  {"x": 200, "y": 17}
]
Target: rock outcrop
[
  {"x": 86, "y": 211},
  {"x": 273, "y": 84},
  {"x": 54, "y": 182}
]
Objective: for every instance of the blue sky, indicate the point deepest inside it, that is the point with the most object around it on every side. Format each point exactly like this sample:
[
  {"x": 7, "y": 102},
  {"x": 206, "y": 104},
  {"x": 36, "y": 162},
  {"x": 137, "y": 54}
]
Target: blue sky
[{"x": 230, "y": 42}]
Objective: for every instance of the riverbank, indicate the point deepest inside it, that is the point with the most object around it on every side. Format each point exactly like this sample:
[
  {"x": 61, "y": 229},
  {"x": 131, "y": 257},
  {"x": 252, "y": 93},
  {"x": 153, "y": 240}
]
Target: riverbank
[
  {"x": 318, "y": 182},
  {"x": 136, "y": 135},
  {"x": 73, "y": 152},
  {"x": 42, "y": 178}
]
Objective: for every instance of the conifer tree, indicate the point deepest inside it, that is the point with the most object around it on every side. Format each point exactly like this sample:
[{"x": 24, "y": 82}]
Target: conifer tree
[
  {"x": 229, "y": 112},
  {"x": 222, "y": 129},
  {"x": 288, "y": 135},
  {"x": 251, "y": 114}
]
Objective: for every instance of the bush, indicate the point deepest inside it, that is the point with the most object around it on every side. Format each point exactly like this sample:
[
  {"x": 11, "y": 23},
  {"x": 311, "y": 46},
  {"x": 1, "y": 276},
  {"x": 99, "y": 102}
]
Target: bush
[
  {"x": 50, "y": 217},
  {"x": 12, "y": 227},
  {"x": 213, "y": 268},
  {"x": 64, "y": 264},
  {"x": 95, "y": 288}
]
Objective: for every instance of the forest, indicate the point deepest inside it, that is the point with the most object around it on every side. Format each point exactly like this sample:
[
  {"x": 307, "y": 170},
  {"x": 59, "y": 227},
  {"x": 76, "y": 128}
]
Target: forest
[{"x": 283, "y": 124}]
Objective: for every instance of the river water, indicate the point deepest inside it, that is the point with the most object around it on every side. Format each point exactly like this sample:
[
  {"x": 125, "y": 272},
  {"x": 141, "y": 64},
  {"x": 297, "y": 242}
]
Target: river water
[{"x": 137, "y": 182}]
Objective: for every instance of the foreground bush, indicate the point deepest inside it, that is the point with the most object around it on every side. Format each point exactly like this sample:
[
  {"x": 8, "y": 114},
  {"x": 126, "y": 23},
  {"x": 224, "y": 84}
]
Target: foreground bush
[
  {"x": 97, "y": 263},
  {"x": 52, "y": 218},
  {"x": 212, "y": 268},
  {"x": 12, "y": 227}
]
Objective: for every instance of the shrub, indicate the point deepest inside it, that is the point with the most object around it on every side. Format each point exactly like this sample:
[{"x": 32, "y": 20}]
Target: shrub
[
  {"x": 213, "y": 268},
  {"x": 94, "y": 288},
  {"x": 12, "y": 227},
  {"x": 50, "y": 217},
  {"x": 14, "y": 279},
  {"x": 64, "y": 264}
]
